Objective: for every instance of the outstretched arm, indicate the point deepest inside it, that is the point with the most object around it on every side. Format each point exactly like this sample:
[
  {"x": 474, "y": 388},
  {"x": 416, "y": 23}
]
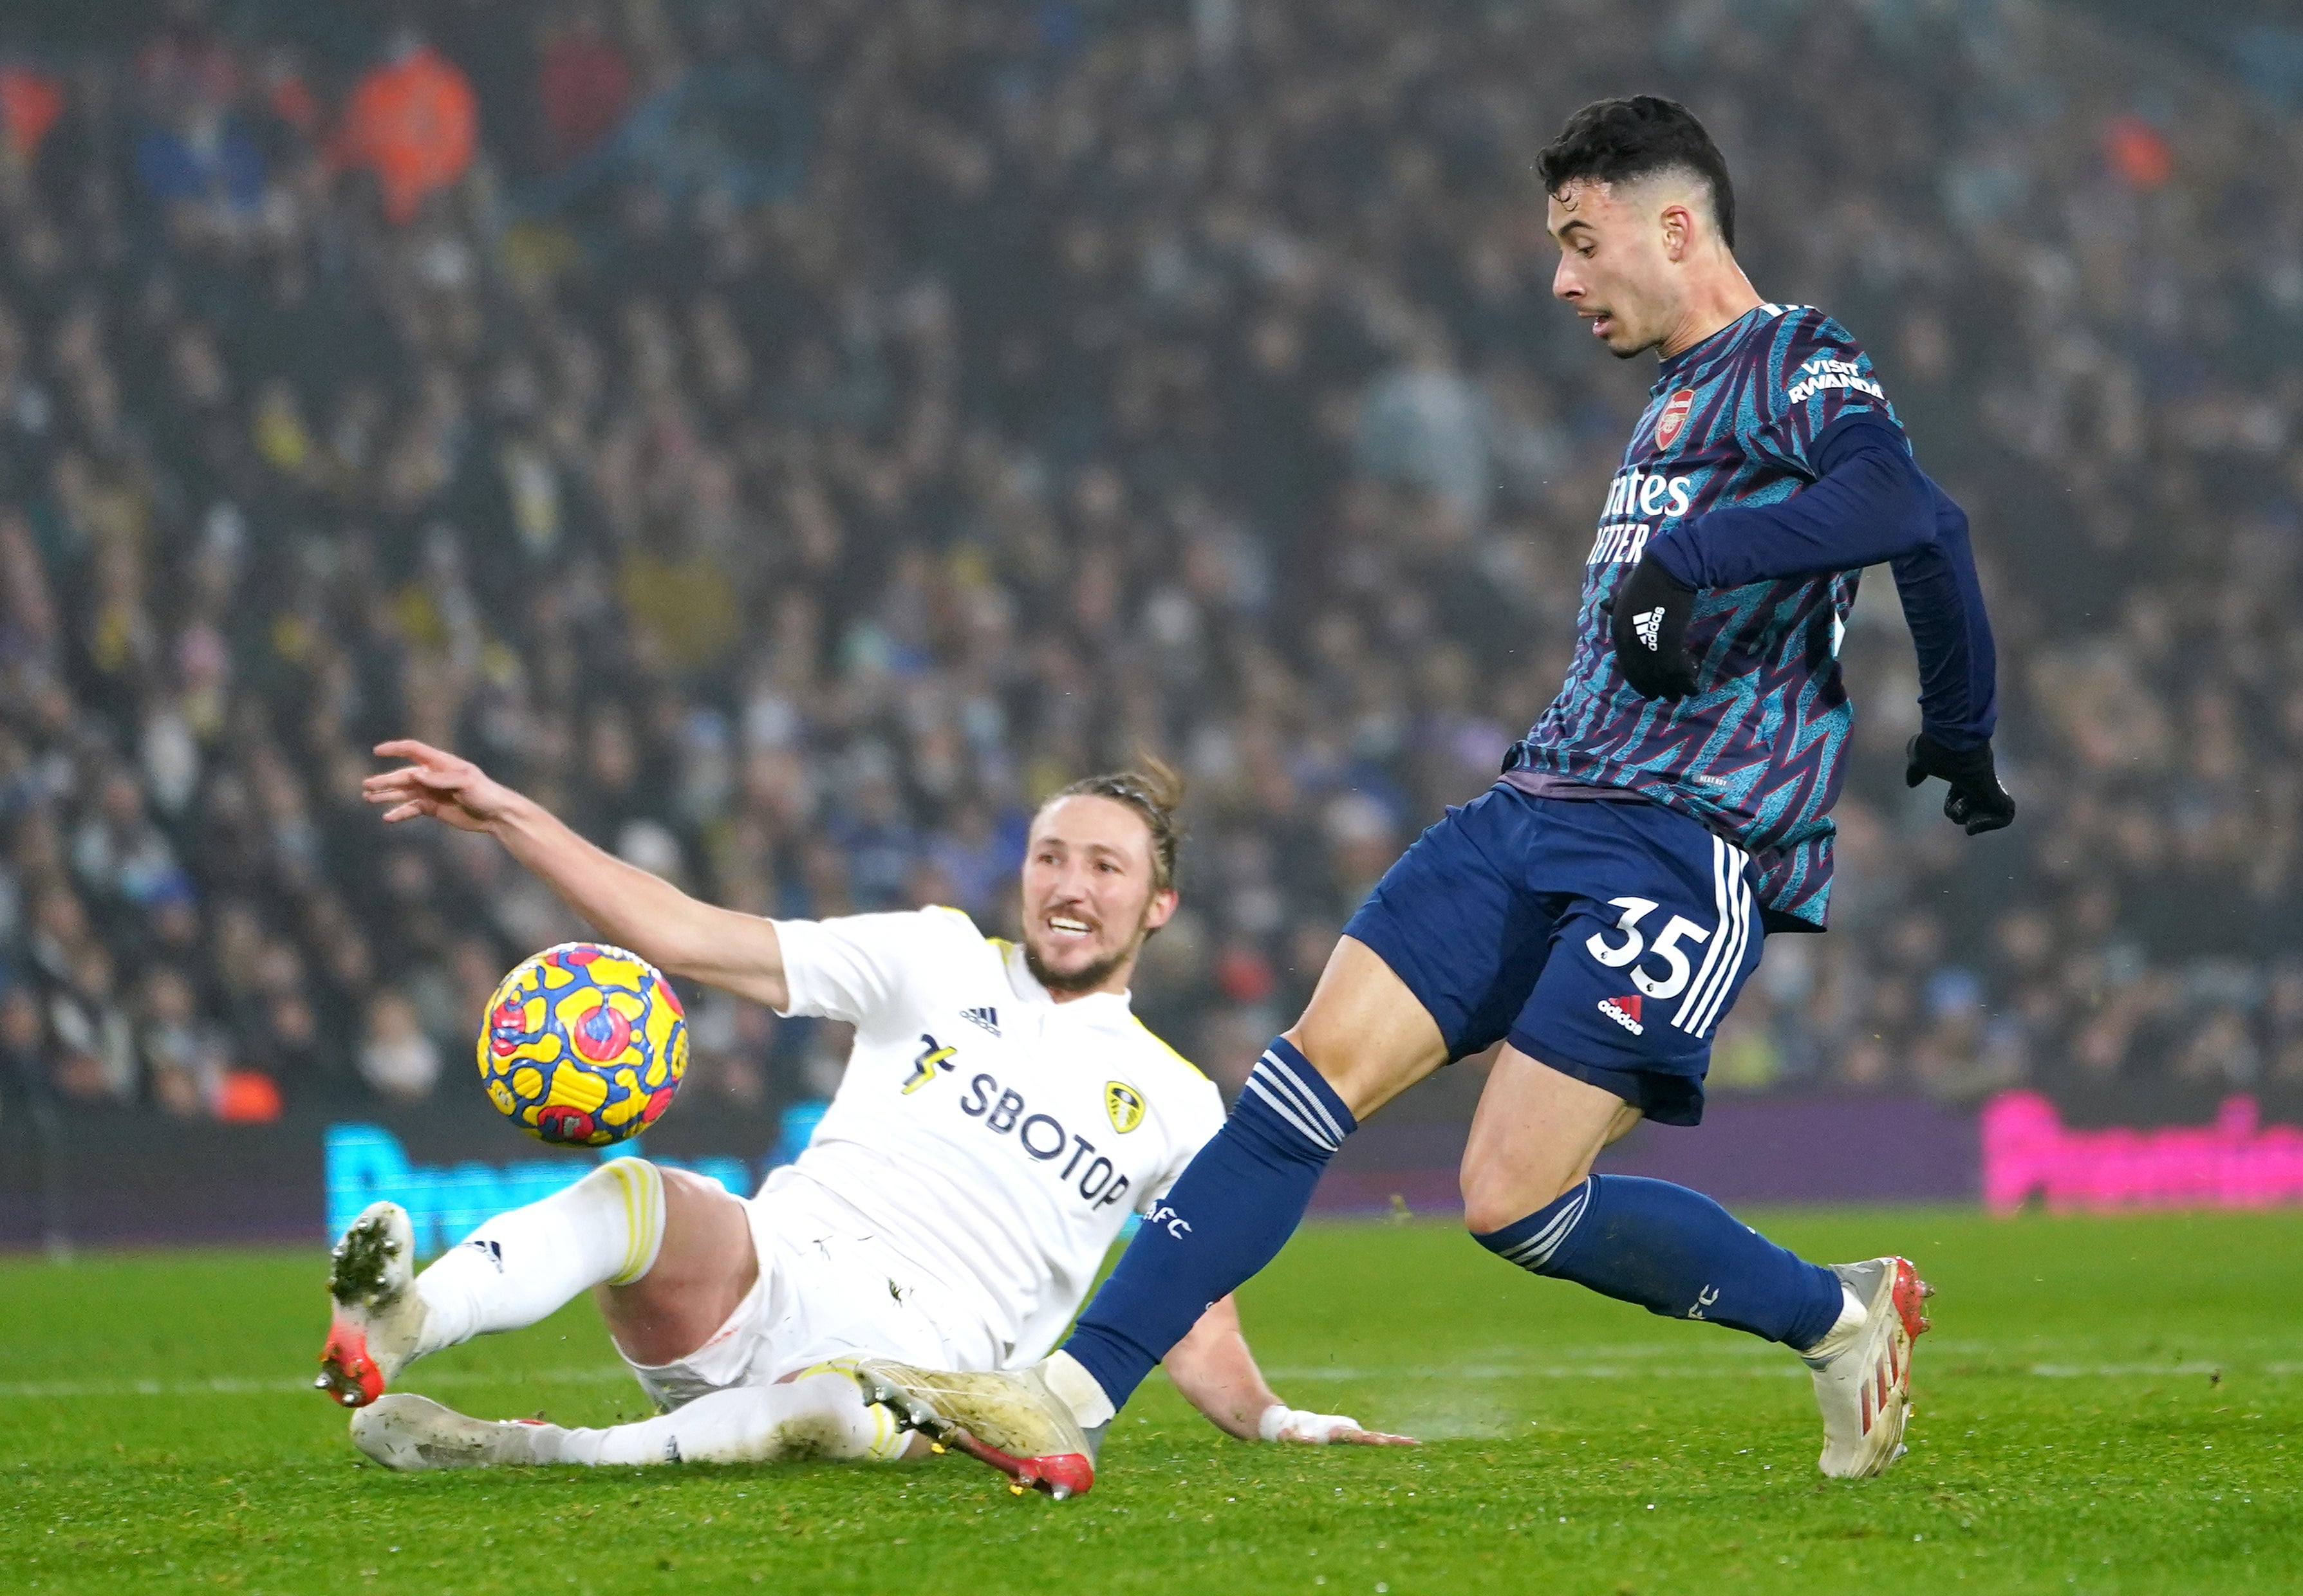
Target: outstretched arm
[
  {"x": 738, "y": 953},
  {"x": 1217, "y": 1374}
]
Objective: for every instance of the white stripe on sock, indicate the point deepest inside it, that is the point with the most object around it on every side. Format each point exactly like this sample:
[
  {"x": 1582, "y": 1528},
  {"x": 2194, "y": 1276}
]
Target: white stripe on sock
[
  {"x": 1306, "y": 1098},
  {"x": 1279, "y": 1107},
  {"x": 1532, "y": 1258},
  {"x": 1278, "y": 1078},
  {"x": 1536, "y": 1251},
  {"x": 1275, "y": 1076}
]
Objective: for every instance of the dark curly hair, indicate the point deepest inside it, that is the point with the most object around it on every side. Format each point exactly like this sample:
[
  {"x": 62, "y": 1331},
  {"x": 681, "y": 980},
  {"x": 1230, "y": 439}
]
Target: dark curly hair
[
  {"x": 1154, "y": 790},
  {"x": 1614, "y": 141}
]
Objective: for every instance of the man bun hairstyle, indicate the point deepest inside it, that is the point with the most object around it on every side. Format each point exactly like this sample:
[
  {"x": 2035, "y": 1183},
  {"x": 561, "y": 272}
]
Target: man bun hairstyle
[
  {"x": 1154, "y": 790},
  {"x": 1620, "y": 140}
]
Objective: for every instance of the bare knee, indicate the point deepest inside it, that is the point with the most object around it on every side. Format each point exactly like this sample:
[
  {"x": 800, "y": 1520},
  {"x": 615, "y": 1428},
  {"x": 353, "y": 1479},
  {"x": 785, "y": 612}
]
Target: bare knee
[
  {"x": 703, "y": 1267},
  {"x": 1499, "y": 1191},
  {"x": 1533, "y": 1139},
  {"x": 696, "y": 1204},
  {"x": 1365, "y": 1032},
  {"x": 707, "y": 1237}
]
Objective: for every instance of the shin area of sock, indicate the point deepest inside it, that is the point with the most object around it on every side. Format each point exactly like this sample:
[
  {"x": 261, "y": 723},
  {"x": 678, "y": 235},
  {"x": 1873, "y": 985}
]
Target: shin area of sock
[
  {"x": 528, "y": 1263},
  {"x": 1676, "y": 1252},
  {"x": 1228, "y": 1215}
]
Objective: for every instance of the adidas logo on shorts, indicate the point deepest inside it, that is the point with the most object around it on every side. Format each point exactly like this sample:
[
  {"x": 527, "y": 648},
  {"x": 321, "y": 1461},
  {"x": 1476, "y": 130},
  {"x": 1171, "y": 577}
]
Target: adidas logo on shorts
[{"x": 1624, "y": 1012}]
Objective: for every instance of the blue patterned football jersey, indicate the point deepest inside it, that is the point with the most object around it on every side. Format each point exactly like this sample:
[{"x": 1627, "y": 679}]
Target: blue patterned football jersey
[{"x": 1755, "y": 754}]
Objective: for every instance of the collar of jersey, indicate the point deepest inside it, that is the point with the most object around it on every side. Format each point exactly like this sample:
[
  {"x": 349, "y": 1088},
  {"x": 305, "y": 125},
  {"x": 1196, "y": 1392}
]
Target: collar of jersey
[
  {"x": 1711, "y": 349},
  {"x": 1110, "y": 1007}
]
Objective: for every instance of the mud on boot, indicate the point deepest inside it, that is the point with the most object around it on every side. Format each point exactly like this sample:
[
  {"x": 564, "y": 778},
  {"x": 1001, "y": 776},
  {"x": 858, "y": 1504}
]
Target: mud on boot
[{"x": 377, "y": 1315}]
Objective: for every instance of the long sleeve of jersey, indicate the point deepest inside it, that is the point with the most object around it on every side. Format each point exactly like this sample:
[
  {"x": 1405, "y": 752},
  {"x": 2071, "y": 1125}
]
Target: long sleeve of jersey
[
  {"x": 1943, "y": 604},
  {"x": 1869, "y": 503}
]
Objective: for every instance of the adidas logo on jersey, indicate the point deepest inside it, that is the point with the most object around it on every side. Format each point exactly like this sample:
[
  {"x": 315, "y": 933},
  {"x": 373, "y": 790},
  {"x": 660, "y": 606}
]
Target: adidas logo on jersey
[
  {"x": 988, "y": 1019},
  {"x": 1625, "y": 1012},
  {"x": 1647, "y": 626}
]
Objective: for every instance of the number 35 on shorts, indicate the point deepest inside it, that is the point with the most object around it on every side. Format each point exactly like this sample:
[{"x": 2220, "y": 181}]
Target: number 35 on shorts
[{"x": 1696, "y": 964}]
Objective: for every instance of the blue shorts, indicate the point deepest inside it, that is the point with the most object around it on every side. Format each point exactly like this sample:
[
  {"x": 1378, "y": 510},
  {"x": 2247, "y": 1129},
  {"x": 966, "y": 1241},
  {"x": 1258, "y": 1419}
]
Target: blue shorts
[{"x": 1605, "y": 939}]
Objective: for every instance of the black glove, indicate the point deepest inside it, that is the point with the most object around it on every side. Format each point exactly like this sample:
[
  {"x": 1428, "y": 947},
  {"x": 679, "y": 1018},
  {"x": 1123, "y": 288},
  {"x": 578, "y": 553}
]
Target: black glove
[
  {"x": 1977, "y": 800},
  {"x": 1648, "y": 620}
]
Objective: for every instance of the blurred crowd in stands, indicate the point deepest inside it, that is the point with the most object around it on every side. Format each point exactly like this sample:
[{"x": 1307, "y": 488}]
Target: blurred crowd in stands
[{"x": 789, "y": 438}]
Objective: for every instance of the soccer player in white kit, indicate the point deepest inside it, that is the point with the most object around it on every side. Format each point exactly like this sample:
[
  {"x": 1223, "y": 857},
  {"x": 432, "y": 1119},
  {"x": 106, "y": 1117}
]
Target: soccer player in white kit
[{"x": 1001, "y": 1115}]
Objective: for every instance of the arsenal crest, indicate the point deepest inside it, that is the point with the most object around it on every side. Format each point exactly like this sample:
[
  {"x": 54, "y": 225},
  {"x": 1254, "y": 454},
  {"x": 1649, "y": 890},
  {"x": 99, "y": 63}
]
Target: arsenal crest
[{"x": 1674, "y": 417}]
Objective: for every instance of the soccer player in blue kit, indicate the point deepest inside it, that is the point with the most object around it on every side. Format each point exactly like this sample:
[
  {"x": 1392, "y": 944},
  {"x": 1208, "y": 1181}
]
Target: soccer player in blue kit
[{"x": 1598, "y": 909}]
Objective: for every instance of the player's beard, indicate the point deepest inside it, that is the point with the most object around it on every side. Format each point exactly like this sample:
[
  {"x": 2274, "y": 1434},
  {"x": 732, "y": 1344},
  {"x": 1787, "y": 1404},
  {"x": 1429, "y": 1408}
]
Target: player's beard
[{"x": 1088, "y": 978}]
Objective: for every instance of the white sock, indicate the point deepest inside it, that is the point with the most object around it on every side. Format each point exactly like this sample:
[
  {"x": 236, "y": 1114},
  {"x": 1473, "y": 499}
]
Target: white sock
[
  {"x": 817, "y": 1416},
  {"x": 522, "y": 1265},
  {"x": 1076, "y": 1388},
  {"x": 1853, "y": 1317}
]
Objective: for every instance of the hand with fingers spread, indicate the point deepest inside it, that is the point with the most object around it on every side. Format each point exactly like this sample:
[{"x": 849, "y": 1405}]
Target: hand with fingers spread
[
  {"x": 627, "y": 905},
  {"x": 451, "y": 790},
  {"x": 1284, "y": 1424}
]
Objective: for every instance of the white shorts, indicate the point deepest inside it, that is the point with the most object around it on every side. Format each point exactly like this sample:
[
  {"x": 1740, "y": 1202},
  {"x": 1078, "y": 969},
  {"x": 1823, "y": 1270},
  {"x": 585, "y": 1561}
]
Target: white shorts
[{"x": 824, "y": 1292}]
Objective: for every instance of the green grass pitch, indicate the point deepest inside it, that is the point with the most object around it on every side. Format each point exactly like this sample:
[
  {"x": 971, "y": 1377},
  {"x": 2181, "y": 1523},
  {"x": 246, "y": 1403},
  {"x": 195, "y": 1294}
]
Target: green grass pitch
[{"x": 2104, "y": 1406}]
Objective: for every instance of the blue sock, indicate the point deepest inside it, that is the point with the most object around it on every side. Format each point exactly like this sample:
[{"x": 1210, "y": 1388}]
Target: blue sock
[
  {"x": 1676, "y": 1252},
  {"x": 1228, "y": 1215}
]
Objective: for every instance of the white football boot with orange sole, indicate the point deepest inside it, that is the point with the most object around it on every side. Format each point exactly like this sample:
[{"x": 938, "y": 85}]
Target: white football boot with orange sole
[{"x": 378, "y": 1317}]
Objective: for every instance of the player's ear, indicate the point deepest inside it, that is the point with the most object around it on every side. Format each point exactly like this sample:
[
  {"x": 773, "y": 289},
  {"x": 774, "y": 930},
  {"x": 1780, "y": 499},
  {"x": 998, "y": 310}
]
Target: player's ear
[
  {"x": 1160, "y": 910},
  {"x": 1678, "y": 231}
]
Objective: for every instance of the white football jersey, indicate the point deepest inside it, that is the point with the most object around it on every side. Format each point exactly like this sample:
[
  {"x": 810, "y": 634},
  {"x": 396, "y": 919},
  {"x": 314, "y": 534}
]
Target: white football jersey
[{"x": 991, "y": 1135}]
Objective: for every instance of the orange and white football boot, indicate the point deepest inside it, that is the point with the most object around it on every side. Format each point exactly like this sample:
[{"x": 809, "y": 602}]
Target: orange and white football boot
[{"x": 378, "y": 1317}]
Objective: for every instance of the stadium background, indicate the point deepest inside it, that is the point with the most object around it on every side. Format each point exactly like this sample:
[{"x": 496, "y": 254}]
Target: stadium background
[{"x": 787, "y": 439}]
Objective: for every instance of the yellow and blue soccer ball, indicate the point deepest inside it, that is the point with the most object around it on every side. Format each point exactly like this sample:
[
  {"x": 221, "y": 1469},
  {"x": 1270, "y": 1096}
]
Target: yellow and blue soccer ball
[{"x": 585, "y": 1045}]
